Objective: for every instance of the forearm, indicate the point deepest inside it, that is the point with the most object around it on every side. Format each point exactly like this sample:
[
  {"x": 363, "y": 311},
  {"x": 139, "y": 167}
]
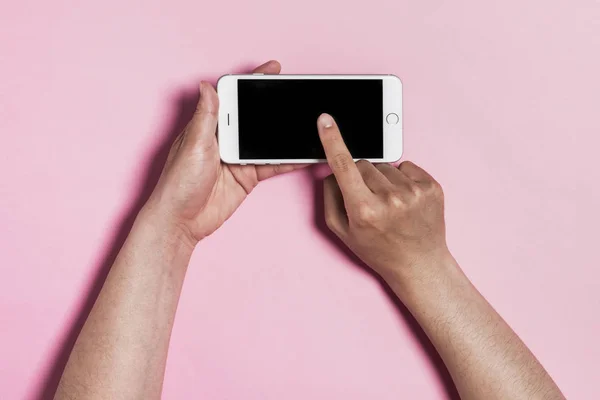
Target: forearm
[
  {"x": 122, "y": 348},
  {"x": 485, "y": 357}
]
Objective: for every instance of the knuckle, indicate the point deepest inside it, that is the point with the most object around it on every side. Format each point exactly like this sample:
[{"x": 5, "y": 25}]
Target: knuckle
[
  {"x": 394, "y": 200},
  {"x": 436, "y": 189},
  {"x": 341, "y": 162},
  {"x": 207, "y": 110},
  {"x": 416, "y": 190},
  {"x": 366, "y": 214}
]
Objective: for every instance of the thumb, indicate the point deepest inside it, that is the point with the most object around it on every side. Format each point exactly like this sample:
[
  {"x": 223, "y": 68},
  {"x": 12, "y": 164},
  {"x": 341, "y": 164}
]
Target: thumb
[{"x": 203, "y": 126}]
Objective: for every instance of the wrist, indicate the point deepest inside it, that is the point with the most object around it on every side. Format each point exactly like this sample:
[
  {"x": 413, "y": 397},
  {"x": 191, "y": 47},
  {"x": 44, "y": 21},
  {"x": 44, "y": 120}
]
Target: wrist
[
  {"x": 167, "y": 230},
  {"x": 425, "y": 276}
]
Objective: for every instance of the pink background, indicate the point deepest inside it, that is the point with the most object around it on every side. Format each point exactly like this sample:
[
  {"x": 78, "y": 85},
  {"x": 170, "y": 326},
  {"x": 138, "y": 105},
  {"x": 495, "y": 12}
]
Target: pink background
[{"x": 501, "y": 105}]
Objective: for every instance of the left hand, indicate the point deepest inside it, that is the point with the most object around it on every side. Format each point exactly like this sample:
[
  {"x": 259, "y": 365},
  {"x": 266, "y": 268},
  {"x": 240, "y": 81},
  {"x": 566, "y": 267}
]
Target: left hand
[{"x": 196, "y": 192}]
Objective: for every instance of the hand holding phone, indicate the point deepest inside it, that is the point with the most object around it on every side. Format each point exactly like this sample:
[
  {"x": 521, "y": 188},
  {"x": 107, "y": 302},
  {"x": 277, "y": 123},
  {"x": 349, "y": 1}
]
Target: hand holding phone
[
  {"x": 196, "y": 192},
  {"x": 271, "y": 119}
]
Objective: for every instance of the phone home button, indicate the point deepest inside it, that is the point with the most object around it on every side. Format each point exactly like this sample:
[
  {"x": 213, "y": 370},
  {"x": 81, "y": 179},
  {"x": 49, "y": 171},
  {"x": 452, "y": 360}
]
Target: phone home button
[{"x": 392, "y": 118}]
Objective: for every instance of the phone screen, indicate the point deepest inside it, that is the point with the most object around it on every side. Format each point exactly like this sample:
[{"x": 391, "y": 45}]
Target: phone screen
[{"x": 277, "y": 119}]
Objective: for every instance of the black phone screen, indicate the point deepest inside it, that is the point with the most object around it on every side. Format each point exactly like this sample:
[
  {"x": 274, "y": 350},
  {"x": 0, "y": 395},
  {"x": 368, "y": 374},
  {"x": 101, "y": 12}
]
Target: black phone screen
[{"x": 277, "y": 119}]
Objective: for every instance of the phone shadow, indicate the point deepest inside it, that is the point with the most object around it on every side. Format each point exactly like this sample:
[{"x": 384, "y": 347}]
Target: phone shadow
[{"x": 319, "y": 221}]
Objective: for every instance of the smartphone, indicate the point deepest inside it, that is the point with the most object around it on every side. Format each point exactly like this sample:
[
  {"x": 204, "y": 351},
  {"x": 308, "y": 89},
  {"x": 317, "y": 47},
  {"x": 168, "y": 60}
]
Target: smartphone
[{"x": 272, "y": 119}]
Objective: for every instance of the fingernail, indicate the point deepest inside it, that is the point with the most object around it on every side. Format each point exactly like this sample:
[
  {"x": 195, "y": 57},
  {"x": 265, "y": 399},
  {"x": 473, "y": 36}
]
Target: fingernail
[
  {"x": 201, "y": 87},
  {"x": 326, "y": 121}
]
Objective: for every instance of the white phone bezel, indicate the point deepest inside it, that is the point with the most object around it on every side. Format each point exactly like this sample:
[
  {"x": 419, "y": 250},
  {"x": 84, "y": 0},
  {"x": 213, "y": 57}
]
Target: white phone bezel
[{"x": 228, "y": 117}]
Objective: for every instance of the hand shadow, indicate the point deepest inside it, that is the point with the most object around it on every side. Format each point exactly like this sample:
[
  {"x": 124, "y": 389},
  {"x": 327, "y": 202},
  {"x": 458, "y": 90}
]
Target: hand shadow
[
  {"x": 427, "y": 346},
  {"x": 185, "y": 106}
]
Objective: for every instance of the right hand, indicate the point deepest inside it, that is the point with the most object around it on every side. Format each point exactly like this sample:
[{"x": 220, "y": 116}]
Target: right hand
[{"x": 391, "y": 218}]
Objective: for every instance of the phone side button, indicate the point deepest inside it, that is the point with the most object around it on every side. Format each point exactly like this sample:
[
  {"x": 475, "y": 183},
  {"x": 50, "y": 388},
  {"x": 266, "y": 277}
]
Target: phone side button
[{"x": 258, "y": 73}]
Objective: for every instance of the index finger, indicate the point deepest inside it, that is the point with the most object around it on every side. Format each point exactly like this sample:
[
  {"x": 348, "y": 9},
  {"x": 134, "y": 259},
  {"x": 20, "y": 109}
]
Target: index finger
[{"x": 338, "y": 157}]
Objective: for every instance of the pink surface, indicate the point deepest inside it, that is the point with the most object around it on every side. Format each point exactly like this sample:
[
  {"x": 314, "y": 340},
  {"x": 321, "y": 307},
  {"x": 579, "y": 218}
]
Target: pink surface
[{"x": 501, "y": 105}]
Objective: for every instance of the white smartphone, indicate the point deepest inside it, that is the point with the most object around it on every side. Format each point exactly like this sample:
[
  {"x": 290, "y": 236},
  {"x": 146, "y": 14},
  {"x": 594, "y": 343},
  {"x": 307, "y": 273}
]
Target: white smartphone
[{"x": 272, "y": 119}]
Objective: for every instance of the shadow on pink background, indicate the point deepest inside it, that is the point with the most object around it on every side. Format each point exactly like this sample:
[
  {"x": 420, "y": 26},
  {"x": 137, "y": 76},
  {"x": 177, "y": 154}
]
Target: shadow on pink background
[
  {"x": 186, "y": 106},
  {"x": 501, "y": 106}
]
